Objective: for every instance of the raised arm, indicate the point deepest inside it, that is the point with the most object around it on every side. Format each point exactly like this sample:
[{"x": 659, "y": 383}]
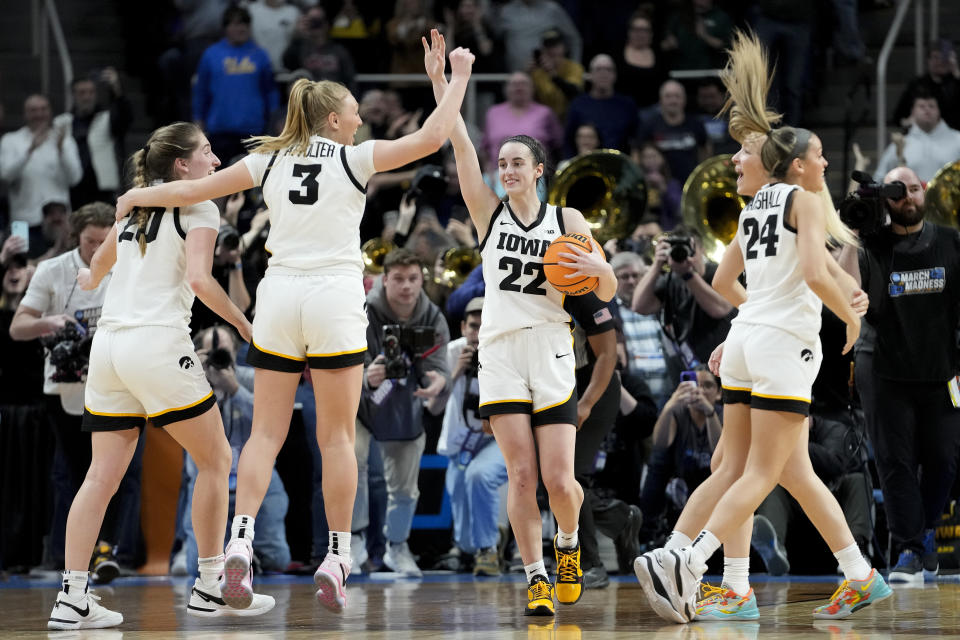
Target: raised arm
[
  {"x": 480, "y": 199},
  {"x": 390, "y": 154},
  {"x": 182, "y": 193}
]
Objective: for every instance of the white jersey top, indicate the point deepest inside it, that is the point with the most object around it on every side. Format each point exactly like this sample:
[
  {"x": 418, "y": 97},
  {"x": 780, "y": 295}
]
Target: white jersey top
[
  {"x": 316, "y": 202},
  {"x": 517, "y": 294},
  {"x": 777, "y": 294},
  {"x": 152, "y": 289}
]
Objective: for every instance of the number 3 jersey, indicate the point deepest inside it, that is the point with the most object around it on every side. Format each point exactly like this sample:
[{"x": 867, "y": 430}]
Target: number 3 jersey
[
  {"x": 517, "y": 294},
  {"x": 316, "y": 202},
  {"x": 777, "y": 294},
  {"x": 152, "y": 289}
]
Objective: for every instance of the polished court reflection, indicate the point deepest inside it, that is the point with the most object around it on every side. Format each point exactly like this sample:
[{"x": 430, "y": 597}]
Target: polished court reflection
[{"x": 461, "y": 607}]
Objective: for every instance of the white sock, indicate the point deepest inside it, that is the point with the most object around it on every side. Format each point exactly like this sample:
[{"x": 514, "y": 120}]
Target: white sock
[
  {"x": 535, "y": 568},
  {"x": 339, "y": 544},
  {"x": 677, "y": 540},
  {"x": 736, "y": 574},
  {"x": 75, "y": 584},
  {"x": 705, "y": 546},
  {"x": 210, "y": 570},
  {"x": 242, "y": 527},
  {"x": 567, "y": 540},
  {"x": 852, "y": 564}
]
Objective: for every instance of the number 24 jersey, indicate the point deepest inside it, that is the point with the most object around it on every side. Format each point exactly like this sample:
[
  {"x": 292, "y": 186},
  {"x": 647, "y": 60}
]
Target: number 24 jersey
[{"x": 316, "y": 202}]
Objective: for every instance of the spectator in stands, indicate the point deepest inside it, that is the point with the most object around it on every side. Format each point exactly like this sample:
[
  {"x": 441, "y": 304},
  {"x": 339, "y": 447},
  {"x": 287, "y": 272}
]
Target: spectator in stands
[
  {"x": 837, "y": 461},
  {"x": 684, "y": 439},
  {"x": 51, "y": 302},
  {"x": 710, "y": 96},
  {"x": 374, "y": 115},
  {"x": 21, "y": 367},
  {"x": 273, "y": 25},
  {"x": 643, "y": 344},
  {"x": 391, "y": 407},
  {"x": 520, "y": 24},
  {"x": 641, "y": 69},
  {"x": 614, "y": 115},
  {"x": 586, "y": 139},
  {"x": 929, "y": 144},
  {"x": 232, "y": 385},
  {"x": 942, "y": 80},
  {"x": 784, "y": 27},
  {"x": 469, "y": 26},
  {"x": 99, "y": 130},
  {"x": 696, "y": 35},
  {"x": 312, "y": 50},
  {"x": 52, "y": 238},
  {"x": 39, "y": 162},
  {"x": 556, "y": 78},
  {"x": 664, "y": 192},
  {"x": 234, "y": 96},
  {"x": 476, "y": 470},
  {"x": 519, "y": 114},
  {"x": 694, "y": 317},
  {"x": 680, "y": 137}
]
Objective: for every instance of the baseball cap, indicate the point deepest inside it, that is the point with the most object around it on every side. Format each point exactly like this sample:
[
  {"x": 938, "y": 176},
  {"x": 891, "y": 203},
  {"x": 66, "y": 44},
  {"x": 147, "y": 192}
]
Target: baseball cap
[{"x": 474, "y": 305}]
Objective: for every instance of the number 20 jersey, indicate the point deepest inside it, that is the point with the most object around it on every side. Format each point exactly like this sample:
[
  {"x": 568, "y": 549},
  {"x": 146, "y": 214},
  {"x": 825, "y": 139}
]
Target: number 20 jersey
[
  {"x": 517, "y": 294},
  {"x": 316, "y": 202},
  {"x": 777, "y": 294}
]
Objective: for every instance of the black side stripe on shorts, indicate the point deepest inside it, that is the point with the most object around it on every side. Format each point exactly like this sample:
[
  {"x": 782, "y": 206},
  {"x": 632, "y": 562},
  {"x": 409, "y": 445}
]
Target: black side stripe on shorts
[
  {"x": 493, "y": 219},
  {"x": 273, "y": 159},
  {"x": 346, "y": 167},
  {"x": 176, "y": 223}
]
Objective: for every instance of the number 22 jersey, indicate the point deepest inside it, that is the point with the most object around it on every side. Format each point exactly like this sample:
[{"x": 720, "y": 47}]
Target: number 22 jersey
[
  {"x": 316, "y": 202},
  {"x": 777, "y": 294},
  {"x": 517, "y": 294}
]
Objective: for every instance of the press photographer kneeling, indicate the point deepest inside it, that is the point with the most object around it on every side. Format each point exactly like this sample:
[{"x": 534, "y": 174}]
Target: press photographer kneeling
[
  {"x": 64, "y": 317},
  {"x": 906, "y": 359}
]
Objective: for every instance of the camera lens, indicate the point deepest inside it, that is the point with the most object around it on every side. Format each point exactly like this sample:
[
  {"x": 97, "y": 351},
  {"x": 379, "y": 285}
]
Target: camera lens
[{"x": 679, "y": 252}]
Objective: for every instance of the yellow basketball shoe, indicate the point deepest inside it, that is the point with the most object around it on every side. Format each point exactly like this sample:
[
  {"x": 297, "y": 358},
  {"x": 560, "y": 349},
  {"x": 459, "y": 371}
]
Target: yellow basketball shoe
[
  {"x": 539, "y": 597},
  {"x": 569, "y": 574}
]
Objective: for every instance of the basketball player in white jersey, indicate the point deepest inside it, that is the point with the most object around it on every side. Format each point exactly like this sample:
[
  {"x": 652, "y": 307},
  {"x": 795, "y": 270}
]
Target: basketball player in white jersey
[
  {"x": 310, "y": 304},
  {"x": 771, "y": 356},
  {"x": 143, "y": 367},
  {"x": 527, "y": 384}
]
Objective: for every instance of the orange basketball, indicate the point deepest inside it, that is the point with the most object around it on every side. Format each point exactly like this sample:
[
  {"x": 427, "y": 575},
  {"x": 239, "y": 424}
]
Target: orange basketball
[{"x": 556, "y": 272}]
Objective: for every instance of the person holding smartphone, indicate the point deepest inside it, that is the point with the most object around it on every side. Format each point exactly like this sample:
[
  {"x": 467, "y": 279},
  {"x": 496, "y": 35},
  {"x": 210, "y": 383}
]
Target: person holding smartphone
[{"x": 684, "y": 439}]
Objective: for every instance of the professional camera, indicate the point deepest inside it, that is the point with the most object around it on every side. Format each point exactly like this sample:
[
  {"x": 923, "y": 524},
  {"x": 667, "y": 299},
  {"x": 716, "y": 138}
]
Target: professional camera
[
  {"x": 402, "y": 344},
  {"x": 681, "y": 246},
  {"x": 218, "y": 357},
  {"x": 863, "y": 209},
  {"x": 69, "y": 352},
  {"x": 228, "y": 238},
  {"x": 473, "y": 368},
  {"x": 428, "y": 184}
]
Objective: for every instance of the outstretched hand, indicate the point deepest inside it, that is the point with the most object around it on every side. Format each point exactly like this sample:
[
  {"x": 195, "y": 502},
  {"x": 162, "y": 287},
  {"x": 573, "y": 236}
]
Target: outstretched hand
[{"x": 434, "y": 55}]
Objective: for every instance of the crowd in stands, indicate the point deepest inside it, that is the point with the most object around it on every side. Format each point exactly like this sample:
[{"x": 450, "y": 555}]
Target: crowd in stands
[{"x": 578, "y": 80}]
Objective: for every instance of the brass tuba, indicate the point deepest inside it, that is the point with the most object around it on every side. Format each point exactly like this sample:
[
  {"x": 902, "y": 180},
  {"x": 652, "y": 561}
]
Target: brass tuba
[
  {"x": 373, "y": 252},
  {"x": 942, "y": 199},
  {"x": 710, "y": 204},
  {"x": 458, "y": 262},
  {"x": 607, "y": 187}
]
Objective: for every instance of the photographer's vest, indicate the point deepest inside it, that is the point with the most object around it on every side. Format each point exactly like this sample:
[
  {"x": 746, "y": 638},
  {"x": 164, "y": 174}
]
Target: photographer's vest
[
  {"x": 517, "y": 294},
  {"x": 777, "y": 294}
]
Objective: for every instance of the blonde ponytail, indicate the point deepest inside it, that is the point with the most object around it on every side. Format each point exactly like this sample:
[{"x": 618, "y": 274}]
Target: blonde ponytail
[
  {"x": 838, "y": 232},
  {"x": 747, "y": 78},
  {"x": 309, "y": 105}
]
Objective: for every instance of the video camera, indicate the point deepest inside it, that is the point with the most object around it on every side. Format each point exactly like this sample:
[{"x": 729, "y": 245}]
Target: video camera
[
  {"x": 428, "y": 184},
  {"x": 228, "y": 238},
  {"x": 863, "y": 209},
  {"x": 69, "y": 352},
  {"x": 402, "y": 344},
  {"x": 681, "y": 246}
]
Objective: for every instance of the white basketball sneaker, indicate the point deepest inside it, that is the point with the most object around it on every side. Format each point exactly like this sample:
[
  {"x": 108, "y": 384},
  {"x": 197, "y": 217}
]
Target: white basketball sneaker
[
  {"x": 237, "y": 586},
  {"x": 331, "y": 580},
  {"x": 85, "y": 614},
  {"x": 206, "y": 602}
]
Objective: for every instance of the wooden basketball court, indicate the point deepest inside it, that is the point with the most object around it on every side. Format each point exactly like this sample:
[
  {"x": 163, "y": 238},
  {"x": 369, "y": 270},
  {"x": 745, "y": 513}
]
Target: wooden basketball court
[{"x": 458, "y": 606}]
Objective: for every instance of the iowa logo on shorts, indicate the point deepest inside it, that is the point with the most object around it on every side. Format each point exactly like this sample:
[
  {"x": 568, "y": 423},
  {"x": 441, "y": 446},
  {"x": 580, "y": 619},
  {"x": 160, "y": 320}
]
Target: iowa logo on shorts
[
  {"x": 806, "y": 355},
  {"x": 186, "y": 362}
]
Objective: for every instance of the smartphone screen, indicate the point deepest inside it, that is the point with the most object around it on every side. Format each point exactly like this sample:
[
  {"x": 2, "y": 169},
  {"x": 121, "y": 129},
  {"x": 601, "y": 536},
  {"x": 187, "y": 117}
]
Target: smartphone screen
[{"x": 22, "y": 229}]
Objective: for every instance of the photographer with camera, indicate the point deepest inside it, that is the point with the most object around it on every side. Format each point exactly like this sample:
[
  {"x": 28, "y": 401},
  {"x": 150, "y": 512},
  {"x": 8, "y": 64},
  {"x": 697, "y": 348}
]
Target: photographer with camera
[
  {"x": 64, "y": 316},
  {"x": 694, "y": 317},
  {"x": 906, "y": 360},
  {"x": 406, "y": 370},
  {"x": 233, "y": 387}
]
